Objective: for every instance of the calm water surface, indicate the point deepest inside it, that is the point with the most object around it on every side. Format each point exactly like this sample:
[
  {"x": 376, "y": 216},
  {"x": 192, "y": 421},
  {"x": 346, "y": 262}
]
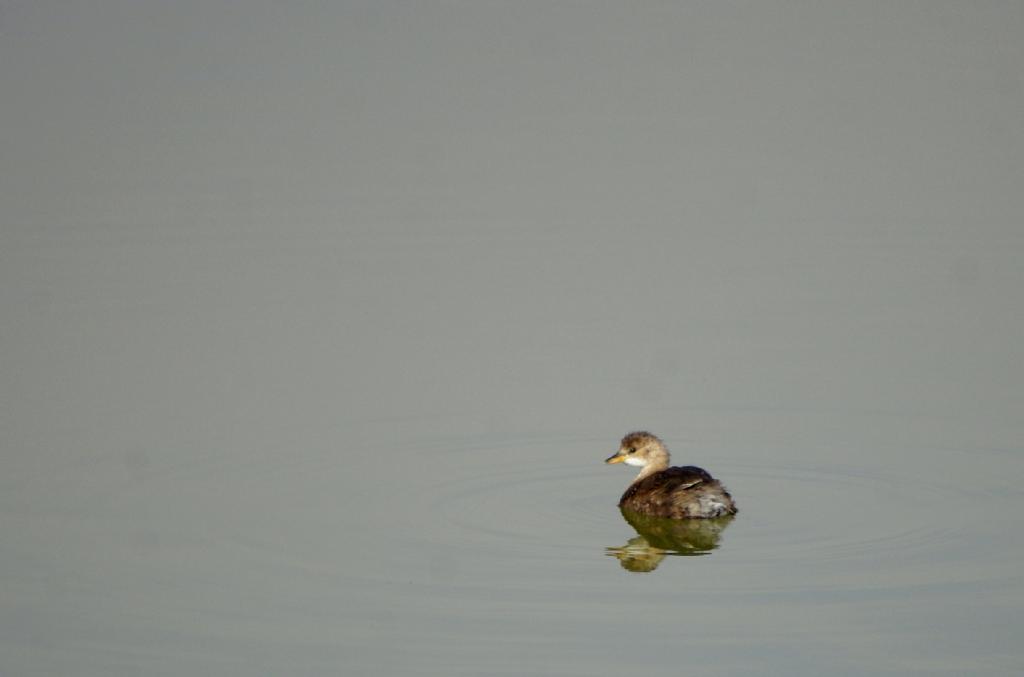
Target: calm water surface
[
  {"x": 244, "y": 480},
  {"x": 318, "y": 320}
]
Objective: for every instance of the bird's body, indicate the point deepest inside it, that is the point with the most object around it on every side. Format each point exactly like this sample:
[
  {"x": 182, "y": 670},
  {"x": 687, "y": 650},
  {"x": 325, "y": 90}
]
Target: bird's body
[{"x": 663, "y": 491}]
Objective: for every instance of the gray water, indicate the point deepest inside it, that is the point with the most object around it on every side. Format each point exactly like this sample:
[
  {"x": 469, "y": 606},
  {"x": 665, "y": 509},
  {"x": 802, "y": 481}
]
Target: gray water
[{"x": 318, "y": 321}]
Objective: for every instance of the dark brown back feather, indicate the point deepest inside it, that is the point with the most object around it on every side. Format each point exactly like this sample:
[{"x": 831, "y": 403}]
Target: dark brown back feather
[{"x": 676, "y": 493}]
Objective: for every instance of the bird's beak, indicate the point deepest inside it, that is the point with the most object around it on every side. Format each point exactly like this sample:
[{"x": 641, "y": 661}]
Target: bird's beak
[{"x": 617, "y": 457}]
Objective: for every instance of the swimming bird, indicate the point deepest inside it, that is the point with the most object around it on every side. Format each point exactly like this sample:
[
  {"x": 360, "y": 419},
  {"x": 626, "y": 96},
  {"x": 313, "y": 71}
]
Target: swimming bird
[{"x": 663, "y": 491}]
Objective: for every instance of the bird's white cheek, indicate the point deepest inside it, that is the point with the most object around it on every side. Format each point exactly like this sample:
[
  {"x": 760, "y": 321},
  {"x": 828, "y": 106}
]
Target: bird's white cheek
[{"x": 633, "y": 460}]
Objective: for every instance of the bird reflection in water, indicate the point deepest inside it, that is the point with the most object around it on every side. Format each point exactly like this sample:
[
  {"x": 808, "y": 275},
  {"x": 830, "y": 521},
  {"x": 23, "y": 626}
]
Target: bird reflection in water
[{"x": 659, "y": 537}]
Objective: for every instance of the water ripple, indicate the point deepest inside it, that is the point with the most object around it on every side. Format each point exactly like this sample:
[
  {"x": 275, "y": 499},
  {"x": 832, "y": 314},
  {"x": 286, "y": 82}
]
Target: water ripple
[{"x": 834, "y": 527}]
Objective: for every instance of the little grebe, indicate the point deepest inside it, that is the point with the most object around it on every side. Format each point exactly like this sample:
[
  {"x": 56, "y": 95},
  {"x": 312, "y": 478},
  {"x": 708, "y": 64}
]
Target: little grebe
[{"x": 662, "y": 491}]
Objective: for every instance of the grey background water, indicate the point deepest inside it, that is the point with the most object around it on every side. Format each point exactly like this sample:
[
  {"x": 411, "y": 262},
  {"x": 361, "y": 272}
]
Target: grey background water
[{"x": 319, "y": 318}]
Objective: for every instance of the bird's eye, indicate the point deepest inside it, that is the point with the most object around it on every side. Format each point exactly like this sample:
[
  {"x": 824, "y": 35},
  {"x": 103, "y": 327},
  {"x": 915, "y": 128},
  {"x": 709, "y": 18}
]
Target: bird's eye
[{"x": 631, "y": 450}]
